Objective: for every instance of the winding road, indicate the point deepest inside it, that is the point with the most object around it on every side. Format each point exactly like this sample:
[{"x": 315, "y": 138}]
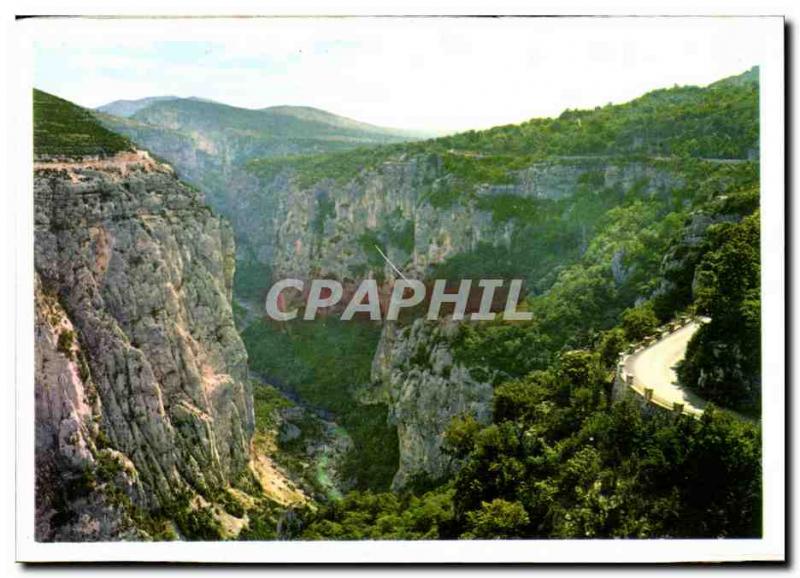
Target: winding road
[{"x": 654, "y": 368}]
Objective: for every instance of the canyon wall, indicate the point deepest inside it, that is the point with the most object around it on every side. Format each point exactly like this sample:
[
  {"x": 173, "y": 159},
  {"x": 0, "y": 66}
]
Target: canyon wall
[
  {"x": 139, "y": 369},
  {"x": 333, "y": 228},
  {"x": 415, "y": 374}
]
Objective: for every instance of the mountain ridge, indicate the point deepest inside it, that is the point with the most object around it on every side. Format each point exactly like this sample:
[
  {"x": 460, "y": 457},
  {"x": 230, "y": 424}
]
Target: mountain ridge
[
  {"x": 128, "y": 107},
  {"x": 137, "y": 109}
]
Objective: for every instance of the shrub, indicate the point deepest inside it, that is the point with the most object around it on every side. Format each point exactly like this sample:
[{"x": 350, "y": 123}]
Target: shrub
[
  {"x": 639, "y": 322},
  {"x": 497, "y": 519}
]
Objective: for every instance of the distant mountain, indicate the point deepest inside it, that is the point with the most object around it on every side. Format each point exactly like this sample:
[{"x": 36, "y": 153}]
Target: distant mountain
[
  {"x": 210, "y": 143},
  {"x": 187, "y": 131},
  {"x": 271, "y": 122},
  {"x": 311, "y": 114},
  {"x": 127, "y": 108}
]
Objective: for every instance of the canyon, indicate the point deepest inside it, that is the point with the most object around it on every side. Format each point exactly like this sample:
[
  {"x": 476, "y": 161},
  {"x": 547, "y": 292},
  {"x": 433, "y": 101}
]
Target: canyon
[{"x": 169, "y": 403}]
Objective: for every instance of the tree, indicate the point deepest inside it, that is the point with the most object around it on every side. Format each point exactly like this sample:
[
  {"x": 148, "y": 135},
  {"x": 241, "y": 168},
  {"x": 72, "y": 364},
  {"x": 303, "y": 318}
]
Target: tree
[
  {"x": 459, "y": 437},
  {"x": 521, "y": 399},
  {"x": 611, "y": 344},
  {"x": 639, "y": 322},
  {"x": 723, "y": 359}
]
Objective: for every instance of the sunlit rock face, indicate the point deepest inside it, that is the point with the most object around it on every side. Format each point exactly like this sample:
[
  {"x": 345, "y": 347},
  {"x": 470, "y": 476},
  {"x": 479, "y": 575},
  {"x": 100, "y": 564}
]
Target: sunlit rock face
[{"x": 138, "y": 365}]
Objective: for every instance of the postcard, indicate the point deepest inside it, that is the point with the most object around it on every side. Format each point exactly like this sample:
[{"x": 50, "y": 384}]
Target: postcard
[{"x": 400, "y": 289}]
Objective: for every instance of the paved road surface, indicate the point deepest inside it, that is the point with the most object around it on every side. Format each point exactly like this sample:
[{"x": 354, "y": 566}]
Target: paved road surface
[{"x": 654, "y": 367}]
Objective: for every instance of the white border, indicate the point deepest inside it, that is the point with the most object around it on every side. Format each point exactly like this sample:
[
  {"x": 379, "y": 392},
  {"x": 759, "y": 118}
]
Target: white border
[{"x": 771, "y": 547}]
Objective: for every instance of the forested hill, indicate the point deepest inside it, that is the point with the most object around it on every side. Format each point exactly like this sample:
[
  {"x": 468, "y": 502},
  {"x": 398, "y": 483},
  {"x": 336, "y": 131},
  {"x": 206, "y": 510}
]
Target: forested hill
[
  {"x": 719, "y": 121},
  {"x": 712, "y": 122}
]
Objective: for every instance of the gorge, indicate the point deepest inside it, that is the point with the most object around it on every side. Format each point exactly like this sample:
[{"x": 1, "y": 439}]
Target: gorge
[{"x": 197, "y": 416}]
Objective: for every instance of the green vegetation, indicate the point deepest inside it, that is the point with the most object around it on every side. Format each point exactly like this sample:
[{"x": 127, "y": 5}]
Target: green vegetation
[
  {"x": 251, "y": 280},
  {"x": 400, "y": 232},
  {"x": 267, "y": 403},
  {"x": 716, "y": 122},
  {"x": 713, "y": 122},
  {"x": 560, "y": 461},
  {"x": 497, "y": 519},
  {"x": 384, "y": 516},
  {"x": 314, "y": 168},
  {"x": 582, "y": 295},
  {"x": 66, "y": 340},
  {"x": 484, "y": 169},
  {"x": 581, "y": 467},
  {"x": 325, "y": 209},
  {"x": 289, "y": 453},
  {"x": 604, "y": 267},
  {"x": 639, "y": 322},
  {"x": 723, "y": 360},
  {"x": 63, "y": 129},
  {"x": 325, "y": 362},
  {"x": 194, "y": 521},
  {"x": 97, "y": 484}
]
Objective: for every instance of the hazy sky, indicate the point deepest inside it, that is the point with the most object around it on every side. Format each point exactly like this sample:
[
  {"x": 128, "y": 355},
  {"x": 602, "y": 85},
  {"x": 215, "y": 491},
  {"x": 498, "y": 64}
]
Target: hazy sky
[{"x": 435, "y": 74}]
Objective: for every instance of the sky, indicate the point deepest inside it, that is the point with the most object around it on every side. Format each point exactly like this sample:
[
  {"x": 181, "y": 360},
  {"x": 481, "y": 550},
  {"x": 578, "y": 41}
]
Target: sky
[{"x": 432, "y": 74}]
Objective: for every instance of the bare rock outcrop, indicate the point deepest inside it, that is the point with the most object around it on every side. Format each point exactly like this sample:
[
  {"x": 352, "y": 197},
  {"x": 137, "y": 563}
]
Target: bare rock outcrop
[
  {"x": 139, "y": 367},
  {"x": 415, "y": 374}
]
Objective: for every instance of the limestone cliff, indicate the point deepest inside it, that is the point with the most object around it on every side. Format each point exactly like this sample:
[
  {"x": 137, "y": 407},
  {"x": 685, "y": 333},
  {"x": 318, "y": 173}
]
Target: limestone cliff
[
  {"x": 331, "y": 228},
  {"x": 415, "y": 374},
  {"x": 415, "y": 209},
  {"x": 140, "y": 373}
]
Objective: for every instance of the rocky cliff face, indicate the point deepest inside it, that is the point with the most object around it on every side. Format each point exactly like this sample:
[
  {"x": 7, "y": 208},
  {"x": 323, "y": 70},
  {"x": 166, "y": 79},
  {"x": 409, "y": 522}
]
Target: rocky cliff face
[
  {"x": 140, "y": 373},
  {"x": 415, "y": 209},
  {"x": 419, "y": 212},
  {"x": 412, "y": 204},
  {"x": 331, "y": 229},
  {"x": 415, "y": 374}
]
